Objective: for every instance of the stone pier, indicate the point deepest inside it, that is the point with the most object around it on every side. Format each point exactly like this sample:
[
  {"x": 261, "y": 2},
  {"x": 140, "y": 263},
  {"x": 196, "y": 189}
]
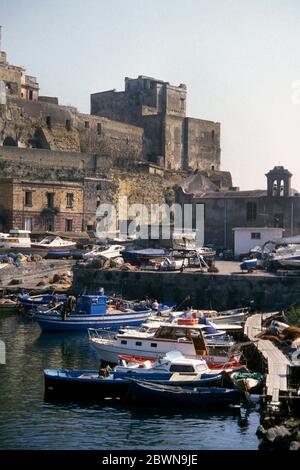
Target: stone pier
[{"x": 207, "y": 291}]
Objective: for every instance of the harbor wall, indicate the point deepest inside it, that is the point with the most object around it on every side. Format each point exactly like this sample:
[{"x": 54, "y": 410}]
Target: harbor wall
[{"x": 207, "y": 291}]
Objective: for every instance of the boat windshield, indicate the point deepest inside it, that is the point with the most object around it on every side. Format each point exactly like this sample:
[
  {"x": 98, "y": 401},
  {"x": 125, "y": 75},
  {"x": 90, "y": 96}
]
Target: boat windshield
[
  {"x": 169, "y": 332},
  {"x": 182, "y": 368},
  {"x": 201, "y": 367},
  {"x": 18, "y": 235}
]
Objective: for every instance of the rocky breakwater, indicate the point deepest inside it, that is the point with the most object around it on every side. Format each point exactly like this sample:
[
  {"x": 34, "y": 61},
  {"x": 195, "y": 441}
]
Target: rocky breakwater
[{"x": 281, "y": 435}]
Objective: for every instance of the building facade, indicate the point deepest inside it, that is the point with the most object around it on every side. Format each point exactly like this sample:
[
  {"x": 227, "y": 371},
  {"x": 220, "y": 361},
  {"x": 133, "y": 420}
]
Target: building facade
[
  {"x": 247, "y": 238},
  {"x": 277, "y": 206},
  {"x": 15, "y": 81},
  {"x": 41, "y": 206}
]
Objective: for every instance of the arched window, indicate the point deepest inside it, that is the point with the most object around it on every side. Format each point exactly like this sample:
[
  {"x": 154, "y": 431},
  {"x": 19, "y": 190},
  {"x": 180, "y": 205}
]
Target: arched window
[
  {"x": 274, "y": 188},
  {"x": 281, "y": 192},
  {"x": 10, "y": 142}
]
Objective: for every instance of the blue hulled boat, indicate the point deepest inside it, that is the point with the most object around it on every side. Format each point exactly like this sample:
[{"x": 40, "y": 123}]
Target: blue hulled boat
[
  {"x": 89, "y": 385},
  {"x": 139, "y": 256},
  {"x": 91, "y": 311},
  {"x": 248, "y": 264},
  {"x": 149, "y": 393},
  {"x": 28, "y": 302}
]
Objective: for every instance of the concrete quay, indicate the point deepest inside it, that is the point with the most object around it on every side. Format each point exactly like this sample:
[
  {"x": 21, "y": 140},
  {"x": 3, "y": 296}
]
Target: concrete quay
[{"x": 226, "y": 289}]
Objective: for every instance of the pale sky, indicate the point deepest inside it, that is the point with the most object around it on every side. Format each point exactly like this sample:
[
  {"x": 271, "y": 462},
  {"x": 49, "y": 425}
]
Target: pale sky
[{"x": 239, "y": 59}]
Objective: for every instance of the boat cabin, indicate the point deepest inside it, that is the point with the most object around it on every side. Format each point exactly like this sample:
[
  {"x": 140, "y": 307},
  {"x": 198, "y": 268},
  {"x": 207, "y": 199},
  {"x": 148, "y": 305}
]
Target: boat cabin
[
  {"x": 183, "y": 333},
  {"x": 173, "y": 361},
  {"x": 19, "y": 233},
  {"x": 91, "y": 305},
  {"x": 16, "y": 238}
]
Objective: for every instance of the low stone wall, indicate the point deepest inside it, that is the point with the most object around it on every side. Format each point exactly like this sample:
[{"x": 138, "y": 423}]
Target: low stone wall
[
  {"x": 28, "y": 272},
  {"x": 207, "y": 291}
]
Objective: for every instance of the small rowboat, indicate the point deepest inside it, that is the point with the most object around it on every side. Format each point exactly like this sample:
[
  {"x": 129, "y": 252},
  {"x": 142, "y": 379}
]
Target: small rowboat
[
  {"x": 149, "y": 393},
  {"x": 28, "y": 302},
  {"x": 247, "y": 381},
  {"x": 7, "y": 305}
]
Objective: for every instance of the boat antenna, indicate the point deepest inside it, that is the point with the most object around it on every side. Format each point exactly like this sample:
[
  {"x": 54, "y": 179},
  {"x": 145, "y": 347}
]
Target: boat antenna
[{"x": 183, "y": 302}]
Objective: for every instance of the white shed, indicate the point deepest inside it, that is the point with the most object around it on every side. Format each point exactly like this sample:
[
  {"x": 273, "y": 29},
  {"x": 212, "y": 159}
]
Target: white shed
[{"x": 246, "y": 238}]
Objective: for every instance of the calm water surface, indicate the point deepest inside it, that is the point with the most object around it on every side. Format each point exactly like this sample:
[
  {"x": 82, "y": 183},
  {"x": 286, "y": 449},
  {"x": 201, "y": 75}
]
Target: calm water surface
[{"x": 28, "y": 422}]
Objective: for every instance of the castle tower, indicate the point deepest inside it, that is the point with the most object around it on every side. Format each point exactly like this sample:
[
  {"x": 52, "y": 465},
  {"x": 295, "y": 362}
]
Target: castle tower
[{"x": 279, "y": 182}]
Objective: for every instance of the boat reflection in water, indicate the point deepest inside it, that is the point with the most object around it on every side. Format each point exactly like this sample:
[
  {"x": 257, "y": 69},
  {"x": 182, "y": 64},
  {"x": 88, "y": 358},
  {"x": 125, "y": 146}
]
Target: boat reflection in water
[{"x": 30, "y": 422}]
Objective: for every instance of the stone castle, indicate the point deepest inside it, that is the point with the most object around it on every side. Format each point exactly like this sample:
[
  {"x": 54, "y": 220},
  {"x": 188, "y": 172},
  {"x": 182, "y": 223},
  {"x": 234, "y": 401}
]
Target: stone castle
[
  {"x": 171, "y": 139},
  {"x": 58, "y": 165},
  {"x": 145, "y": 122},
  {"x": 136, "y": 143}
]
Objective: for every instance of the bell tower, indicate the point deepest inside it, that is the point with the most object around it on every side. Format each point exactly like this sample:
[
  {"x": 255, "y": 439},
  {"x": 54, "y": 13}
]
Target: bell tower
[{"x": 279, "y": 182}]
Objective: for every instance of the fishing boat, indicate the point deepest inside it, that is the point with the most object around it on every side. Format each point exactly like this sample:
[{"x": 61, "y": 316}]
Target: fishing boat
[
  {"x": 53, "y": 243},
  {"x": 211, "y": 328},
  {"x": 188, "y": 339},
  {"x": 229, "y": 317},
  {"x": 99, "y": 385},
  {"x": 161, "y": 395},
  {"x": 83, "y": 384},
  {"x": 15, "y": 239},
  {"x": 27, "y": 302},
  {"x": 236, "y": 316},
  {"x": 173, "y": 369},
  {"x": 90, "y": 311}
]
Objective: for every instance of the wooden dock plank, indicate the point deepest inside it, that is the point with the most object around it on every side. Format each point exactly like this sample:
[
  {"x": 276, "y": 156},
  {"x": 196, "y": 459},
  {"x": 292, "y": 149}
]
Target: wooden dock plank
[{"x": 278, "y": 363}]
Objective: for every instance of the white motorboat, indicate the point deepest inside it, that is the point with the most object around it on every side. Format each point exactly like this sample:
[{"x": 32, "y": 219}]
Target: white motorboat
[
  {"x": 229, "y": 317},
  {"x": 15, "y": 239},
  {"x": 108, "y": 252},
  {"x": 171, "y": 366},
  {"x": 53, "y": 243},
  {"x": 293, "y": 263},
  {"x": 209, "y": 329},
  {"x": 188, "y": 339}
]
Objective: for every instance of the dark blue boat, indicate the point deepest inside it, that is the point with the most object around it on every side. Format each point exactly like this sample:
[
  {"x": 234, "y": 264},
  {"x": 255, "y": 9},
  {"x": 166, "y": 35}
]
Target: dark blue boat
[
  {"x": 248, "y": 264},
  {"x": 91, "y": 312},
  {"x": 61, "y": 253},
  {"x": 149, "y": 393},
  {"x": 138, "y": 256},
  {"x": 88, "y": 384},
  {"x": 27, "y": 302}
]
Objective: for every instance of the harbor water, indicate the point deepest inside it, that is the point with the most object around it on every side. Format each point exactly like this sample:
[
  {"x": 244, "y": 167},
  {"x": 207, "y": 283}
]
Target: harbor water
[{"x": 27, "y": 421}]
